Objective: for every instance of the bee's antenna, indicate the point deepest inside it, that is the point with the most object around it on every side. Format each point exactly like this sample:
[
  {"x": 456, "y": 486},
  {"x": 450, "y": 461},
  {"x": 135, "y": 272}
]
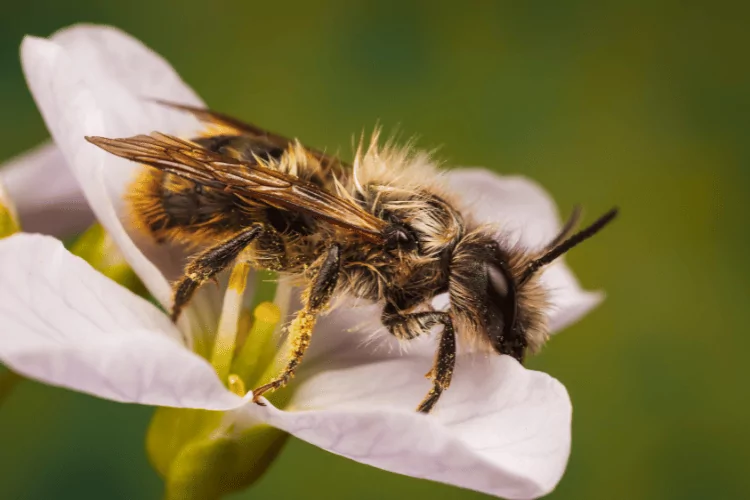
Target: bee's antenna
[
  {"x": 568, "y": 228},
  {"x": 566, "y": 245}
]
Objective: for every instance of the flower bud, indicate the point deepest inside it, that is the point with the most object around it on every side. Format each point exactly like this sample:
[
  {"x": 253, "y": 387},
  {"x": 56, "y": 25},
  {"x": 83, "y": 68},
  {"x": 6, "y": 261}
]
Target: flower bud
[
  {"x": 203, "y": 454},
  {"x": 200, "y": 455},
  {"x": 221, "y": 464}
]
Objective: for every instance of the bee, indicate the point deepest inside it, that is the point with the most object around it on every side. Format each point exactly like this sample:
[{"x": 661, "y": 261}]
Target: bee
[{"x": 380, "y": 229}]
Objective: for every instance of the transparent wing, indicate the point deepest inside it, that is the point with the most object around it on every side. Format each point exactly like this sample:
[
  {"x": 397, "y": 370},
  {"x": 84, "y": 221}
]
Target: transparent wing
[
  {"x": 233, "y": 125},
  {"x": 250, "y": 180}
]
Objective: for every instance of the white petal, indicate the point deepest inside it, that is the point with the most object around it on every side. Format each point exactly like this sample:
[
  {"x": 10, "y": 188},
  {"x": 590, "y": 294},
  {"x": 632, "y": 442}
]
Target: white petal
[
  {"x": 65, "y": 324},
  {"x": 526, "y": 214},
  {"x": 91, "y": 80},
  {"x": 46, "y": 194},
  {"x": 353, "y": 333},
  {"x": 499, "y": 429},
  {"x": 519, "y": 207},
  {"x": 568, "y": 302}
]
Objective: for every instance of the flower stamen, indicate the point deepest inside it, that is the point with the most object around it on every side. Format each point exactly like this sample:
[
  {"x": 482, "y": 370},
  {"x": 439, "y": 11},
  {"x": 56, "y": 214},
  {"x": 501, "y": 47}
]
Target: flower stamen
[
  {"x": 8, "y": 217},
  {"x": 260, "y": 340},
  {"x": 226, "y": 336},
  {"x": 236, "y": 385}
]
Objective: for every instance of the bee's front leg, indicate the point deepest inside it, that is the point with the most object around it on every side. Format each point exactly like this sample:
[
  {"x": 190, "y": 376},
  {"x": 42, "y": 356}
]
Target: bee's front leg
[
  {"x": 209, "y": 263},
  {"x": 315, "y": 298},
  {"x": 411, "y": 325}
]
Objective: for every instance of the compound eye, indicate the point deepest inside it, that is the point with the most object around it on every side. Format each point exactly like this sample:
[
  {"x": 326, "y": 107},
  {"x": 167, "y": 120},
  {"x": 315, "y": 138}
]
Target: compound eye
[
  {"x": 510, "y": 340},
  {"x": 498, "y": 280}
]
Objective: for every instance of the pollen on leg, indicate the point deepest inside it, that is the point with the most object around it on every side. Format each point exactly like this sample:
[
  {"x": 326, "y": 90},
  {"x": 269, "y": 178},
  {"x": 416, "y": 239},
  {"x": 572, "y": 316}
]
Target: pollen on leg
[{"x": 300, "y": 336}]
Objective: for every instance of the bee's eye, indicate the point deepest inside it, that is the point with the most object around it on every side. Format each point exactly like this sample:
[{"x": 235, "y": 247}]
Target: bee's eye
[
  {"x": 497, "y": 280},
  {"x": 501, "y": 292}
]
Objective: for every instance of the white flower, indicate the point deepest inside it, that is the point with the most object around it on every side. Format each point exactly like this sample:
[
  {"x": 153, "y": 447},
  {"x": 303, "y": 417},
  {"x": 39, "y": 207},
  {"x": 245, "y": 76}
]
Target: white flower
[
  {"x": 45, "y": 193},
  {"x": 500, "y": 429}
]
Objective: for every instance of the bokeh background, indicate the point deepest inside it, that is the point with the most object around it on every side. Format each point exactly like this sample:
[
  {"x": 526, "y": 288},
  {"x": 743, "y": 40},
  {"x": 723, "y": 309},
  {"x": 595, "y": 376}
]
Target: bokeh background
[{"x": 645, "y": 106}]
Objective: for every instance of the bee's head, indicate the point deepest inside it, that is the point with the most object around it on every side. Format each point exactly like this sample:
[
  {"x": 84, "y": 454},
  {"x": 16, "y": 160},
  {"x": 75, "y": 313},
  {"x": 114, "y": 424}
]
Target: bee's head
[{"x": 496, "y": 292}]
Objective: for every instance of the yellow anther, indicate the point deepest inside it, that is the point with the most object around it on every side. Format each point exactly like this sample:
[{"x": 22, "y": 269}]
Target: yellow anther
[
  {"x": 238, "y": 278},
  {"x": 8, "y": 218},
  {"x": 267, "y": 313},
  {"x": 236, "y": 385},
  {"x": 260, "y": 346}
]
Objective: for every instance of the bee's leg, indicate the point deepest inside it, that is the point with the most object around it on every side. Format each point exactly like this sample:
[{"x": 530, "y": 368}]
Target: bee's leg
[
  {"x": 315, "y": 298},
  {"x": 208, "y": 263},
  {"x": 411, "y": 325},
  {"x": 442, "y": 368}
]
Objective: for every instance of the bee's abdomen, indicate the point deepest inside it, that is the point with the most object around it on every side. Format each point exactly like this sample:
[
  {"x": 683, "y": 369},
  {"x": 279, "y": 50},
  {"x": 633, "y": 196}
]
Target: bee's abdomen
[
  {"x": 188, "y": 204},
  {"x": 171, "y": 208}
]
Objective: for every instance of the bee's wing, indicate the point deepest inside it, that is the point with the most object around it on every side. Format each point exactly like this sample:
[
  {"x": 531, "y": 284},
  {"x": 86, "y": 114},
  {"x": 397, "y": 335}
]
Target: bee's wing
[
  {"x": 256, "y": 133},
  {"x": 250, "y": 180}
]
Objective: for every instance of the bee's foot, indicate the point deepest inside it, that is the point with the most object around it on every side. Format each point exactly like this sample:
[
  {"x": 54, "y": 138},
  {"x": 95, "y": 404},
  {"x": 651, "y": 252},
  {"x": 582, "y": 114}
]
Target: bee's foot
[
  {"x": 271, "y": 386},
  {"x": 432, "y": 397},
  {"x": 429, "y": 402}
]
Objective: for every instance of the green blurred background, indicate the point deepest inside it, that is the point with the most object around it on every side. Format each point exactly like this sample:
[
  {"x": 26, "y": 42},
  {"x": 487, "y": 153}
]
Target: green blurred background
[{"x": 645, "y": 106}]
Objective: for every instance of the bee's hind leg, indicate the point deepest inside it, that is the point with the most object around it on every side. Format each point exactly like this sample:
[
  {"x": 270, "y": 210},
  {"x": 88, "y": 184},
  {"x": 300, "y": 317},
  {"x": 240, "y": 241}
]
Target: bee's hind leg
[
  {"x": 411, "y": 325},
  {"x": 315, "y": 298},
  {"x": 208, "y": 263}
]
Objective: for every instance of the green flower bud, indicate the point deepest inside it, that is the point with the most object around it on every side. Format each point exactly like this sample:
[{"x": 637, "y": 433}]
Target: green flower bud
[
  {"x": 203, "y": 454},
  {"x": 221, "y": 464}
]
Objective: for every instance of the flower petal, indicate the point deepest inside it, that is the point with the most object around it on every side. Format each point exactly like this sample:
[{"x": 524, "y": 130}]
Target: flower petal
[
  {"x": 499, "y": 429},
  {"x": 67, "y": 325},
  {"x": 90, "y": 80},
  {"x": 526, "y": 214},
  {"x": 353, "y": 333},
  {"x": 45, "y": 193},
  {"x": 568, "y": 302},
  {"x": 517, "y": 205}
]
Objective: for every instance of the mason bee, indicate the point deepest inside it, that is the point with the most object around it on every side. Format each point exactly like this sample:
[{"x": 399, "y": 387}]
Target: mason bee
[{"x": 379, "y": 229}]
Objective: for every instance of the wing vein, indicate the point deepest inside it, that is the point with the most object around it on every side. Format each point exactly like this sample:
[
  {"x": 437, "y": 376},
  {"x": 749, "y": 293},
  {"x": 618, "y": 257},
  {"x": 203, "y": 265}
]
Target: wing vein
[{"x": 246, "y": 180}]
